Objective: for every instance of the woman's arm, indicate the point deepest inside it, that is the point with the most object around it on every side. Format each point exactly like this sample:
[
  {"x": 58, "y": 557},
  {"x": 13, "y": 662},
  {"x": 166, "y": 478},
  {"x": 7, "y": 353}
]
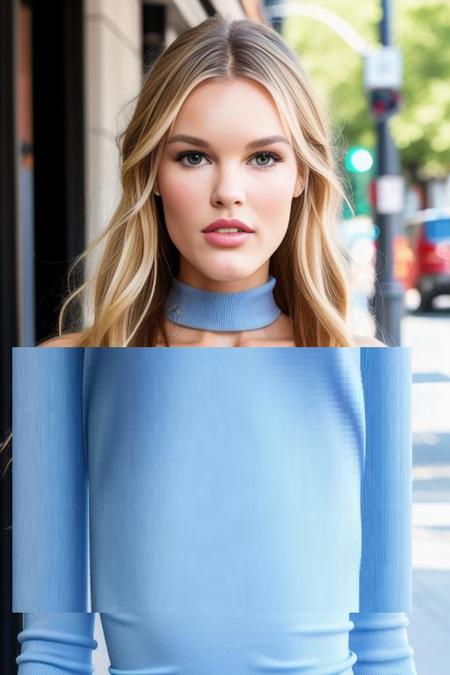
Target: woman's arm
[
  {"x": 50, "y": 566},
  {"x": 380, "y": 641},
  {"x": 379, "y": 637},
  {"x": 55, "y": 644}
]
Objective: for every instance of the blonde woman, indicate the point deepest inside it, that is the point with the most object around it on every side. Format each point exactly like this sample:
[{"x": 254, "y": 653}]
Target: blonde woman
[{"x": 248, "y": 508}]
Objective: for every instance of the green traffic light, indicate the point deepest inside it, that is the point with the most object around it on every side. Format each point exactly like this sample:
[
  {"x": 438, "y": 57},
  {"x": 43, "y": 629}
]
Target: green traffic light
[{"x": 358, "y": 159}]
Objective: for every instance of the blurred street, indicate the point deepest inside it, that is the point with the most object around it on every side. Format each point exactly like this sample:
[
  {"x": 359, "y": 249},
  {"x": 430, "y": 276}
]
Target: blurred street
[{"x": 429, "y": 337}]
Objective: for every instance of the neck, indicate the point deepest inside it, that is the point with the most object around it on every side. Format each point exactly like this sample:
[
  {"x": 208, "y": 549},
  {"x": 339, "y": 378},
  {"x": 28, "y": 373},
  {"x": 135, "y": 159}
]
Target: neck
[{"x": 218, "y": 311}]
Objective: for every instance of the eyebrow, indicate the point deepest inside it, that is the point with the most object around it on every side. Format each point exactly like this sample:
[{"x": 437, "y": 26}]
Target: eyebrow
[{"x": 193, "y": 140}]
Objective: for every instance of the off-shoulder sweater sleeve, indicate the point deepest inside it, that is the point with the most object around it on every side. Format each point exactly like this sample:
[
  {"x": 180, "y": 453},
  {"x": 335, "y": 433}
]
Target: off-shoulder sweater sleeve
[
  {"x": 50, "y": 566},
  {"x": 379, "y": 637}
]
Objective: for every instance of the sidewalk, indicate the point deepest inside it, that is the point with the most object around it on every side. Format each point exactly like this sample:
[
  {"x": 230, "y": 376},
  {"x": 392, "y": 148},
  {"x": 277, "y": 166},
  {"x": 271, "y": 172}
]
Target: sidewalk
[{"x": 429, "y": 629}]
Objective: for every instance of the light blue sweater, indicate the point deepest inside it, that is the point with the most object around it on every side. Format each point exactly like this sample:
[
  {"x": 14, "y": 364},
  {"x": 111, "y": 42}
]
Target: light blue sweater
[{"x": 242, "y": 510}]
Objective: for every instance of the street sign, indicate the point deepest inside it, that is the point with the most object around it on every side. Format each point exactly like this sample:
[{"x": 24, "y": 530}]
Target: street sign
[
  {"x": 383, "y": 68},
  {"x": 390, "y": 194}
]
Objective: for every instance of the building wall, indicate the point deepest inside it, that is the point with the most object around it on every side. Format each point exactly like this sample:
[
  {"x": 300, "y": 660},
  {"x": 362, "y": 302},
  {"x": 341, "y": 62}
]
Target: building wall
[{"x": 113, "y": 64}]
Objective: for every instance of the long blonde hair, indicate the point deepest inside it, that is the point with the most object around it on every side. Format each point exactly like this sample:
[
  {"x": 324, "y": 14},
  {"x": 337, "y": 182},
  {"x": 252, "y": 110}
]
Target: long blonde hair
[{"x": 126, "y": 295}]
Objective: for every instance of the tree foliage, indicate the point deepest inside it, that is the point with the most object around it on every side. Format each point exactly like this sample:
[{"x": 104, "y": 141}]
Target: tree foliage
[{"x": 421, "y": 28}]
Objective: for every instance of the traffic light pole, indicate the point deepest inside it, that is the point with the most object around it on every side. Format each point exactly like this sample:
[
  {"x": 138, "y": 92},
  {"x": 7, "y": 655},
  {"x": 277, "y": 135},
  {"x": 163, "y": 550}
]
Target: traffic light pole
[{"x": 388, "y": 300}]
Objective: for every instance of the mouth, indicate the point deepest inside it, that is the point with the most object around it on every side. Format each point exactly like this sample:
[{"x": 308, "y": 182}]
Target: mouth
[
  {"x": 225, "y": 226},
  {"x": 228, "y": 230},
  {"x": 225, "y": 237}
]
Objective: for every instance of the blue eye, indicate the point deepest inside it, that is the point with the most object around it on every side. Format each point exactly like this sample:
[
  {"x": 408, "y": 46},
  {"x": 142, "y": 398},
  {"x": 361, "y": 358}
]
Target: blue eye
[
  {"x": 188, "y": 154},
  {"x": 265, "y": 155}
]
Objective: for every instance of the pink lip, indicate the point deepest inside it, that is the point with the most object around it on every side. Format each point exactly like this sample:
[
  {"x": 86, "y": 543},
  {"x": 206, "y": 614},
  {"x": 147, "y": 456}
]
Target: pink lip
[
  {"x": 223, "y": 222},
  {"x": 227, "y": 239}
]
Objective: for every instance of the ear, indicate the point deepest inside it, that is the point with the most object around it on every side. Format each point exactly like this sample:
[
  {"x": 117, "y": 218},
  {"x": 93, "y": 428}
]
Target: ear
[
  {"x": 301, "y": 181},
  {"x": 299, "y": 186}
]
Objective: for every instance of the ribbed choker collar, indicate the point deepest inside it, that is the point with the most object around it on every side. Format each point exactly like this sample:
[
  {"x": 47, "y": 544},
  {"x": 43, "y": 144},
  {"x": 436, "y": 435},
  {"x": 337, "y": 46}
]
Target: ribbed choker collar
[{"x": 214, "y": 310}]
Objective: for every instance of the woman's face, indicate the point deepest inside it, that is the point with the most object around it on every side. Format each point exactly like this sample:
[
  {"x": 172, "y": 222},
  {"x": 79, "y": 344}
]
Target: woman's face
[{"x": 224, "y": 177}]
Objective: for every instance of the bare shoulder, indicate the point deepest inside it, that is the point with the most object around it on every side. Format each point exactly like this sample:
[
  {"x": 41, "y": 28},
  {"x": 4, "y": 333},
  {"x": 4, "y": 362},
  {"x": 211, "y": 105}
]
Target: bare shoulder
[
  {"x": 67, "y": 340},
  {"x": 366, "y": 341}
]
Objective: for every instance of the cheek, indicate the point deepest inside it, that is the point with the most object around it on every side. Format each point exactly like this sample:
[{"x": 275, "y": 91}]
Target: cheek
[
  {"x": 182, "y": 193},
  {"x": 181, "y": 206},
  {"x": 274, "y": 202},
  {"x": 274, "y": 205},
  {"x": 275, "y": 194},
  {"x": 274, "y": 188}
]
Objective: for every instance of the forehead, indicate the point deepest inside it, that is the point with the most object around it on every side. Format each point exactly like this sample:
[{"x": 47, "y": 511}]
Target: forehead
[{"x": 240, "y": 107}]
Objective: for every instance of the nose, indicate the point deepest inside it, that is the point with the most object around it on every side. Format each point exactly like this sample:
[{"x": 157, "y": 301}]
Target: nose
[{"x": 227, "y": 189}]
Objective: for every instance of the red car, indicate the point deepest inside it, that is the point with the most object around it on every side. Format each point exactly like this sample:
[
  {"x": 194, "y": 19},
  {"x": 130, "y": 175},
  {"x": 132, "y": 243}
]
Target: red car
[{"x": 428, "y": 235}]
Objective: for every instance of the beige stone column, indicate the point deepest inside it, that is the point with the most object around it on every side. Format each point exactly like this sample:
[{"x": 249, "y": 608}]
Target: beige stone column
[{"x": 113, "y": 72}]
